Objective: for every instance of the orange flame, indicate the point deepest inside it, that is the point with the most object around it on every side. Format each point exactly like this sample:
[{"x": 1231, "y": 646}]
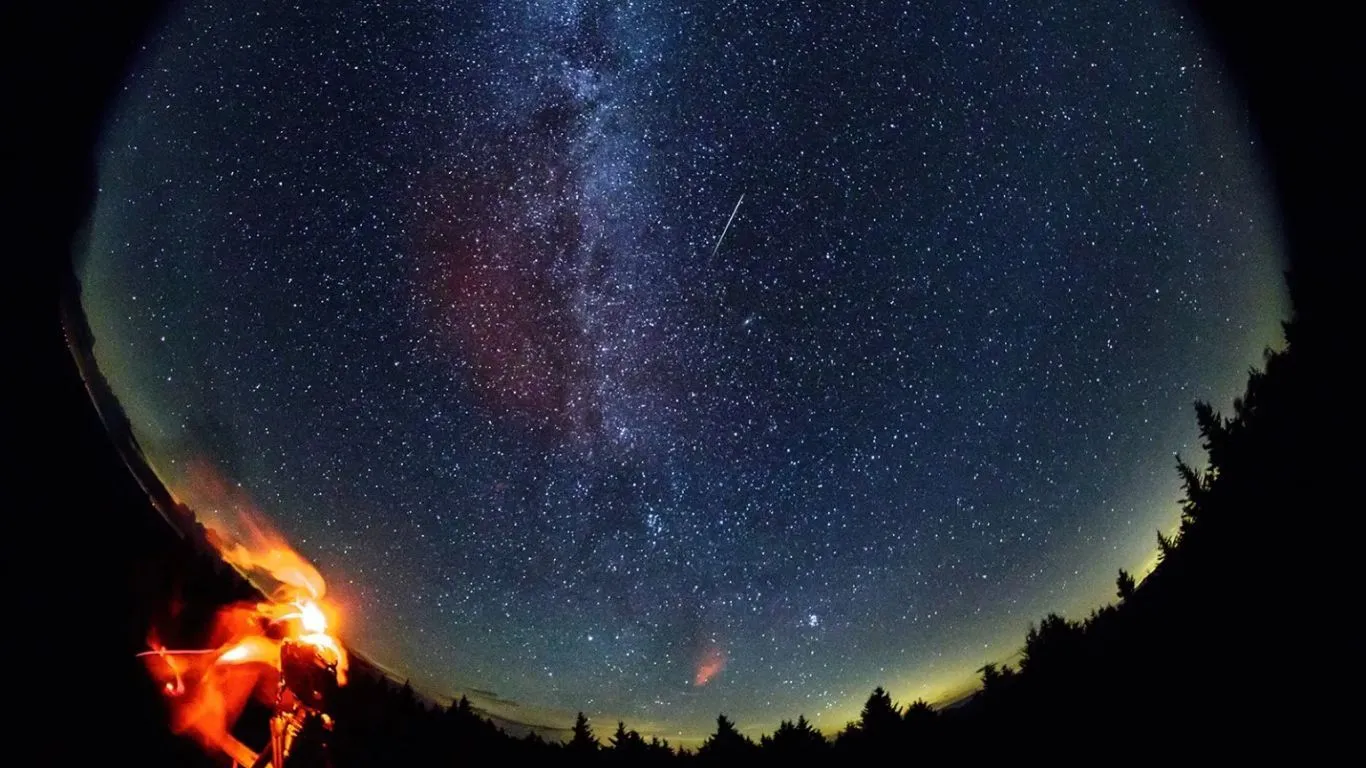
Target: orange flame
[{"x": 208, "y": 688}]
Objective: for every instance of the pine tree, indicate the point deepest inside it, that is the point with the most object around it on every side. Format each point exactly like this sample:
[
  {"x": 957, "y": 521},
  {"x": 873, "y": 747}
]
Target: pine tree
[
  {"x": 995, "y": 679},
  {"x": 1166, "y": 546},
  {"x": 1124, "y": 584},
  {"x": 1196, "y": 486},
  {"x": 1215, "y": 432},
  {"x": 627, "y": 744},
  {"x": 583, "y": 741},
  {"x": 1053, "y": 643},
  {"x": 794, "y": 742},
  {"x": 880, "y": 717},
  {"x": 727, "y": 744},
  {"x": 919, "y": 716}
]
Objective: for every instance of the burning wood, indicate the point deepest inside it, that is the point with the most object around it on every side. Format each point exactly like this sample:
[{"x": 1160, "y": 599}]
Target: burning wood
[{"x": 283, "y": 650}]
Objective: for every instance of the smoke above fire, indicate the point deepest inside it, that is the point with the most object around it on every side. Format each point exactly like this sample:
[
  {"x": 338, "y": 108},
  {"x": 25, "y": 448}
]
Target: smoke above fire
[{"x": 244, "y": 537}]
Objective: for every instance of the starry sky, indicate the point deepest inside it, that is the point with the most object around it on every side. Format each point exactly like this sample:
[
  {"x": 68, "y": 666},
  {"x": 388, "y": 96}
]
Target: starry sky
[{"x": 660, "y": 359}]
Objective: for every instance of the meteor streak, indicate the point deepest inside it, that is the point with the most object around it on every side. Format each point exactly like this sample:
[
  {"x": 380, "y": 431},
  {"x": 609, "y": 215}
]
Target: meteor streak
[{"x": 726, "y": 228}]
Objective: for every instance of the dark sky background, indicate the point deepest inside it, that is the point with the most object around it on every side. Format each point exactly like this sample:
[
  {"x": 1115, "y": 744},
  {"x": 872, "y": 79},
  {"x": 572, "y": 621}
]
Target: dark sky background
[{"x": 443, "y": 288}]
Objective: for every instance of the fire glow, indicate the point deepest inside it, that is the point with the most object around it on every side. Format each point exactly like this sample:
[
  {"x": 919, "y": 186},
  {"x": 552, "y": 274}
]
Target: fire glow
[{"x": 251, "y": 646}]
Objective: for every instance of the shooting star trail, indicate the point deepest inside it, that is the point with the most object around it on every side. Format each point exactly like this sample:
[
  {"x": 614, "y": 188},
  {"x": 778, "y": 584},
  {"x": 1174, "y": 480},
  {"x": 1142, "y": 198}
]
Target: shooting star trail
[{"x": 726, "y": 229}]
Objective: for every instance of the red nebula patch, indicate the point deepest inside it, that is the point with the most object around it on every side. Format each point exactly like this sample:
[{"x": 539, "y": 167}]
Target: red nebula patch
[
  {"x": 488, "y": 289},
  {"x": 712, "y": 663}
]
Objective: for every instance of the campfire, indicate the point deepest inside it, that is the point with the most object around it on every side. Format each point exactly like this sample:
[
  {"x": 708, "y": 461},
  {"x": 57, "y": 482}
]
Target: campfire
[{"x": 282, "y": 650}]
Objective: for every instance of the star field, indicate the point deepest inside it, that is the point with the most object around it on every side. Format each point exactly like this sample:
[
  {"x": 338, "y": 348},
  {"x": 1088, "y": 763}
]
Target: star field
[{"x": 443, "y": 288}]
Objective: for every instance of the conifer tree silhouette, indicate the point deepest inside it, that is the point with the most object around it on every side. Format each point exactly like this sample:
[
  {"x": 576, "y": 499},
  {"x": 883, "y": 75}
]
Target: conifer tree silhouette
[
  {"x": 794, "y": 742},
  {"x": 583, "y": 742},
  {"x": 727, "y": 745},
  {"x": 1124, "y": 585}
]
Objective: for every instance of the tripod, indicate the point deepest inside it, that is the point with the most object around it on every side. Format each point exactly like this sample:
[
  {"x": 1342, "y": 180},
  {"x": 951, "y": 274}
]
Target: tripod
[{"x": 307, "y": 683}]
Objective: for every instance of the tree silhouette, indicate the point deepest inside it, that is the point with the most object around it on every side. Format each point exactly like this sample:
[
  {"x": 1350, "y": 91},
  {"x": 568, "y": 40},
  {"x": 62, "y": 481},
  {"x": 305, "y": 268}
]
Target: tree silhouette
[
  {"x": 919, "y": 715},
  {"x": 879, "y": 724},
  {"x": 1196, "y": 487},
  {"x": 880, "y": 717},
  {"x": 1124, "y": 584},
  {"x": 1217, "y": 433},
  {"x": 462, "y": 723},
  {"x": 660, "y": 749},
  {"x": 727, "y": 744},
  {"x": 795, "y": 742},
  {"x": 922, "y": 730},
  {"x": 1166, "y": 546},
  {"x": 463, "y": 706},
  {"x": 627, "y": 747},
  {"x": 1052, "y": 643},
  {"x": 583, "y": 742},
  {"x": 996, "y": 678}
]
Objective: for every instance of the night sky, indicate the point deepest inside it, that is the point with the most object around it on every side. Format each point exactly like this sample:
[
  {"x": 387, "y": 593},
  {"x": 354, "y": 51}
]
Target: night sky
[{"x": 661, "y": 359}]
